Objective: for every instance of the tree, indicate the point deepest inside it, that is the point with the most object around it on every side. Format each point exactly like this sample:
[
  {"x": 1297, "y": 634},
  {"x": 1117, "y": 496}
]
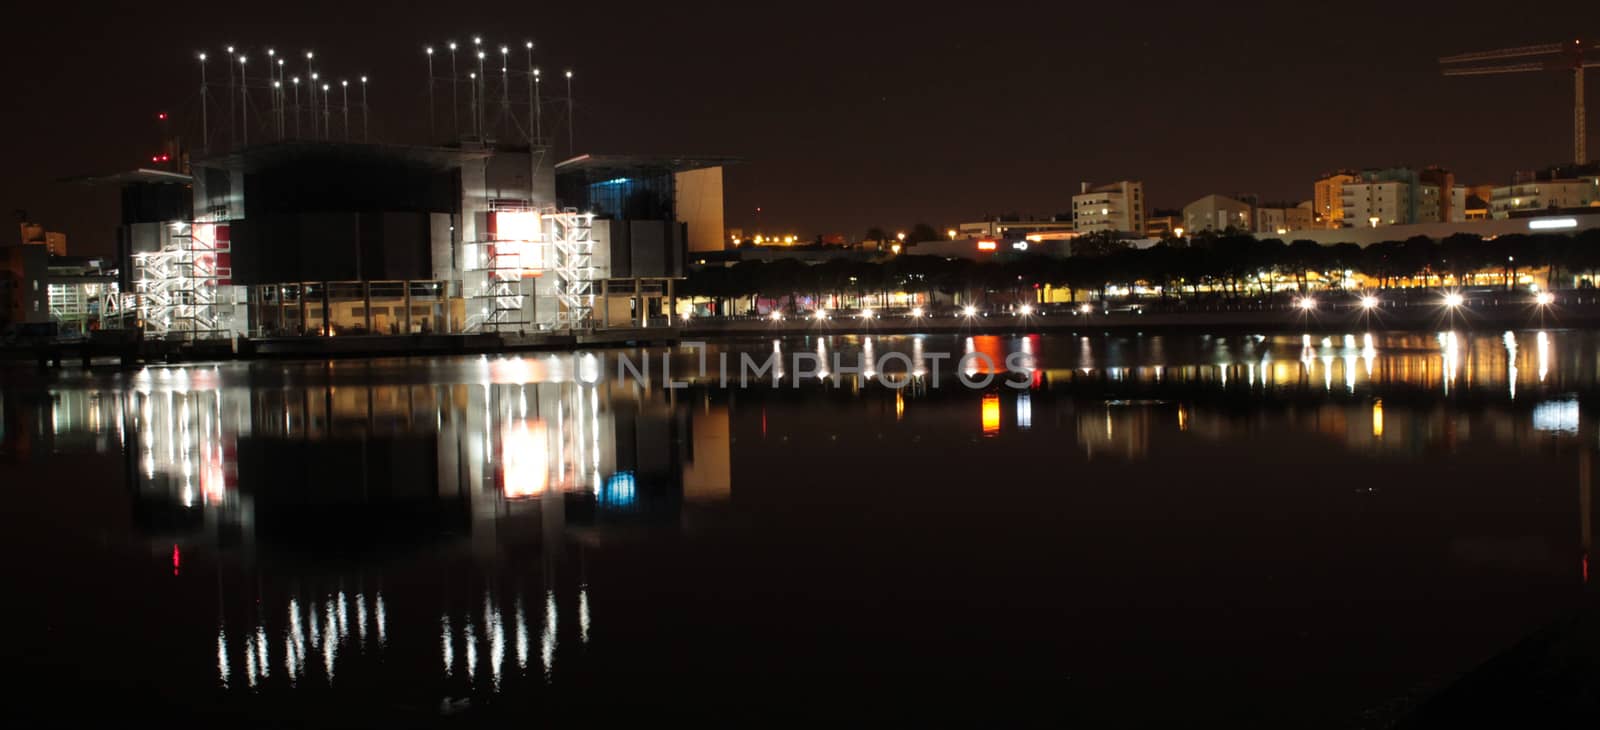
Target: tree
[
  {"x": 875, "y": 234},
  {"x": 922, "y": 232}
]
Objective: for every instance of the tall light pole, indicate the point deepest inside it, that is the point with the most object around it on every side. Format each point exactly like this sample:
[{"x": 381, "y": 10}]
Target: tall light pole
[
  {"x": 205, "y": 132},
  {"x": 505, "y": 85},
  {"x": 311, "y": 91},
  {"x": 283, "y": 125},
  {"x": 477, "y": 108},
  {"x": 233, "y": 116},
  {"x": 363, "y": 108},
  {"x": 532, "y": 103},
  {"x": 572, "y": 131},
  {"x": 316, "y": 124},
  {"x": 344, "y": 103},
  {"x": 296, "y": 81},
  {"x": 327, "y": 119},
  {"x": 538, "y": 109},
  {"x": 455, "y": 104},
  {"x": 477, "y": 90},
  {"x": 431, "y": 133},
  {"x": 244, "y": 105},
  {"x": 472, "y": 93},
  {"x": 272, "y": 85}
]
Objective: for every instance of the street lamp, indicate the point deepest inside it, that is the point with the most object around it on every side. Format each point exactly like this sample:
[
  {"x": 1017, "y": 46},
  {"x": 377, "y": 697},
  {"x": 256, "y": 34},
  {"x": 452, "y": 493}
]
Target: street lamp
[
  {"x": 1453, "y": 300},
  {"x": 901, "y": 236},
  {"x": 1306, "y": 303},
  {"x": 951, "y": 233},
  {"x": 1369, "y": 302},
  {"x": 1374, "y": 221}
]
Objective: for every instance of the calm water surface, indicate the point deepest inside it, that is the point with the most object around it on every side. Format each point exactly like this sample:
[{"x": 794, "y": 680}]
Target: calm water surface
[{"x": 1279, "y": 530}]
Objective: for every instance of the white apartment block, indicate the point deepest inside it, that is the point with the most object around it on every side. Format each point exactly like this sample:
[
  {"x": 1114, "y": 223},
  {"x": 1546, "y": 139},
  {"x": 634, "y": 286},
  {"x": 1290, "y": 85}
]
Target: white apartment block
[
  {"x": 1119, "y": 206},
  {"x": 1543, "y": 194}
]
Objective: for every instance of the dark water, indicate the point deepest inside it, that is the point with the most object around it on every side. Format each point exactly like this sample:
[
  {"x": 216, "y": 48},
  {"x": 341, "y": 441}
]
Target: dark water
[{"x": 1261, "y": 530}]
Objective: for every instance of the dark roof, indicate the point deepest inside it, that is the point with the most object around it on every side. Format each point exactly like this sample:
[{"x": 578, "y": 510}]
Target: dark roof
[
  {"x": 139, "y": 175},
  {"x": 276, "y": 153},
  {"x": 606, "y": 167}
]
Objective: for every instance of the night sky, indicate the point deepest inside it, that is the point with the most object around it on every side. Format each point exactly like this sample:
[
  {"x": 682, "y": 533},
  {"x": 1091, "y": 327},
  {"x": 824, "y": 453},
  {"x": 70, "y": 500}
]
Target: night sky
[{"x": 850, "y": 116}]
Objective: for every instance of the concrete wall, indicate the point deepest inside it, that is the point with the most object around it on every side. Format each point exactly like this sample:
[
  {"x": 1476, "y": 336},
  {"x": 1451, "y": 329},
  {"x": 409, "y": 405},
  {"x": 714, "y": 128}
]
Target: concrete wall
[
  {"x": 699, "y": 205},
  {"x": 1367, "y": 236}
]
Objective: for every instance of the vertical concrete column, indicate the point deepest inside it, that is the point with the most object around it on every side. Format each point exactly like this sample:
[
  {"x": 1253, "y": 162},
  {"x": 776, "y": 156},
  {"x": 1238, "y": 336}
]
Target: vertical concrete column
[
  {"x": 605, "y": 303},
  {"x": 366, "y": 301},
  {"x": 305, "y": 309},
  {"x": 406, "y": 321},
  {"x": 327, "y": 311}
]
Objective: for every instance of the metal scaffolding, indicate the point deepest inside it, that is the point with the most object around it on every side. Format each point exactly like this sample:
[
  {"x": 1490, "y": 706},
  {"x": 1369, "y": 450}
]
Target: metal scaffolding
[
  {"x": 176, "y": 288},
  {"x": 573, "y": 244},
  {"x": 506, "y": 266}
]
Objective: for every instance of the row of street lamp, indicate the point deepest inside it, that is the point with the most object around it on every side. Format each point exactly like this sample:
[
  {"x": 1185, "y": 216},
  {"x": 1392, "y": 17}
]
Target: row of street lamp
[{"x": 1451, "y": 300}]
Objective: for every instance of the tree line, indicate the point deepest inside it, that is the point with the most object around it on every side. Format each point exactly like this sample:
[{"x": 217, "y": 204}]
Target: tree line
[{"x": 1224, "y": 265}]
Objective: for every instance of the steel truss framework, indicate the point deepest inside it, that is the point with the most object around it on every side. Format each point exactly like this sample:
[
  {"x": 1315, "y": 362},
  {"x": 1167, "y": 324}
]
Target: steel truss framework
[
  {"x": 175, "y": 288},
  {"x": 561, "y": 245}
]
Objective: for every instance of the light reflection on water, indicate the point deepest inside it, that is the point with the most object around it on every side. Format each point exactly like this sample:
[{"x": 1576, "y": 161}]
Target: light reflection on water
[{"x": 470, "y": 492}]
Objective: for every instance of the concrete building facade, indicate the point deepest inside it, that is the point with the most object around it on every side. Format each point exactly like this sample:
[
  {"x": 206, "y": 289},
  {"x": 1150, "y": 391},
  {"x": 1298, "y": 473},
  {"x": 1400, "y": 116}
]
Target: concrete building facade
[
  {"x": 1537, "y": 195},
  {"x": 1327, "y": 200},
  {"x": 1013, "y": 228},
  {"x": 1402, "y": 196},
  {"x": 1118, "y": 206},
  {"x": 1283, "y": 218},
  {"x": 1217, "y": 213},
  {"x": 24, "y": 291},
  {"x": 699, "y": 207}
]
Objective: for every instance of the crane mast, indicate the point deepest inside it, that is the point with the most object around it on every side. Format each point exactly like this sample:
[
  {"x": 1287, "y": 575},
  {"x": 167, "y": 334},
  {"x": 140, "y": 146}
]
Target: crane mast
[{"x": 1565, "y": 57}]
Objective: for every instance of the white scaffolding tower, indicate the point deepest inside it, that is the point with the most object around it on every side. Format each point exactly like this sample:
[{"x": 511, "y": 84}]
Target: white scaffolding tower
[
  {"x": 505, "y": 270},
  {"x": 573, "y": 246},
  {"x": 176, "y": 288}
]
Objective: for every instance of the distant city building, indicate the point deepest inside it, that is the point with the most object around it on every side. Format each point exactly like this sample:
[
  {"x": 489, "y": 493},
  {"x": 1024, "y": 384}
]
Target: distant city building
[
  {"x": 1327, "y": 201},
  {"x": 1117, "y": 206},
  {"x": 24, "y": 275},
  {"x": 1402, "y": 196},
  {"x": 53, "y": 241},
  {"x": 1442, "y": 202},
  {"x": 1014, "y": 228},
  {"x": 1217, "y": 213},
  {"x": 1475, "y": 205},
  {"x": 1561, "y": 188},
  {"x": 1283, "y": 217},
  {"x": 1163, "y": 222}
]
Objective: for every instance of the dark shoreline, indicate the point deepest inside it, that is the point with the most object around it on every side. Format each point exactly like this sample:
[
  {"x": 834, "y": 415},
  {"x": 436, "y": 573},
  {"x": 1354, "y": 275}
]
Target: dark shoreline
[
  {"x": 1419, "y": 318},
  {"x": 1342, "y": 320}
]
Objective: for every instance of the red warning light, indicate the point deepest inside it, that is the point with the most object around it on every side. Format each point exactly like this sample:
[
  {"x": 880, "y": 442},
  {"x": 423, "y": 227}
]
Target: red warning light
[{"x": 162, "y": 116}]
